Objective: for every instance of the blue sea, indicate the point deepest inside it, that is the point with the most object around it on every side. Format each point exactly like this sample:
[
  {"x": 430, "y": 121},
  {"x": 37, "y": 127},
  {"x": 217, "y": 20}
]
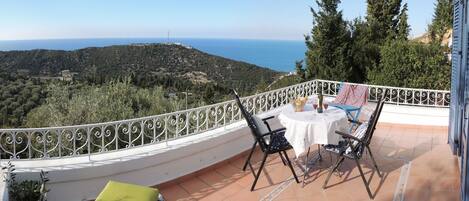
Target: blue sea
[{"x": 278, "y": 55}]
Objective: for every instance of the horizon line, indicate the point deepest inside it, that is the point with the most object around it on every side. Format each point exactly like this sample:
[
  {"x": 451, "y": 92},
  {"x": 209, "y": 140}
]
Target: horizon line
[{"x": 150, "y": 37}]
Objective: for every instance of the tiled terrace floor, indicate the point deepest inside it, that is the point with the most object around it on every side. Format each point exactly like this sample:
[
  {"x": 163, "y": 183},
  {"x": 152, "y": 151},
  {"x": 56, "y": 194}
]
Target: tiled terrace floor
[{"x": 433, "y": 173}]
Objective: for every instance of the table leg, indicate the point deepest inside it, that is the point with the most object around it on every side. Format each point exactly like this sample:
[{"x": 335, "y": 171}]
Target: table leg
[
  {"x": 319, "y": 151},
  {"x": 307, "y": 164},
  {"x": 306, "y": 168}
]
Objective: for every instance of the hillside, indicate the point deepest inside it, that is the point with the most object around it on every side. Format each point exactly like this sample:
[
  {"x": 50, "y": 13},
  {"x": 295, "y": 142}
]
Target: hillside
[
  {"x": 145, "y": 62},
  {"x": 425, "y": 38}
]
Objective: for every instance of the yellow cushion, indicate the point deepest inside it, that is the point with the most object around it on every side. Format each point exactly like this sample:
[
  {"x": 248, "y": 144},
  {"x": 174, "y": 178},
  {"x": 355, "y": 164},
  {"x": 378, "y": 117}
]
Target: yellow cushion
[{"x": 118, "y": 191}]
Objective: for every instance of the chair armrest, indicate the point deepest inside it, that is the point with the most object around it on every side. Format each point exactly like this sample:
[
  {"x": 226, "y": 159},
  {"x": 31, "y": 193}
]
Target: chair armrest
[
  {"x": 267, "y": 118},
  {"x": 345, "y": 107},
  {"x": 273, "y": 132},
  {"x": 355, "y": 122},
  {"x": 267, "y": 123},
  {"x": 348, "y": 136}
]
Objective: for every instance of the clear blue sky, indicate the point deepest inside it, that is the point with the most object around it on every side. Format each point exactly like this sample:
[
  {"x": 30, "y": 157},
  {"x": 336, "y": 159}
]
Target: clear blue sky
[{"x": 256, "y": 19}]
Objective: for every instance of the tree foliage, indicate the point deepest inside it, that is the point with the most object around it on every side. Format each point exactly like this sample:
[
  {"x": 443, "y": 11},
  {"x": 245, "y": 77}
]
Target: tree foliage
[
  {"x": 375, "y": 49},
  {"x": 18, "y": 95},
  {"x": 383, "y": 19},
  {"x": 442, "y": 20},
  {"x": 338, "y": 50},
  {"x": 412, "y": 64},
  {"x": 300, "y": 71},
  {"x": 362, "y": 53},
  {"x": 326, "y": 57},
  {"x": 403, "y": 27},
  {"x": 66, "y": 105}
]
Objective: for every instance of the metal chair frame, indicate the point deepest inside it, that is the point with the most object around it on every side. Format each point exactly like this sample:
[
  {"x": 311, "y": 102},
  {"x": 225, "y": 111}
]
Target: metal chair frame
[
  {"x": 265, "y": 120},
  {"x": 349, "y": 110},
  {"x": 266, "y": 148},
  {"x": 358, "y": 148}
]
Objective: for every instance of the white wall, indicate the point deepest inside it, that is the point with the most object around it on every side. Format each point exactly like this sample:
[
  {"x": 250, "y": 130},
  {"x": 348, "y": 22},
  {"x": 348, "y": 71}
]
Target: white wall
[
  {"x": 415, "y": 115},
  {"x": 83, "y": 179}
]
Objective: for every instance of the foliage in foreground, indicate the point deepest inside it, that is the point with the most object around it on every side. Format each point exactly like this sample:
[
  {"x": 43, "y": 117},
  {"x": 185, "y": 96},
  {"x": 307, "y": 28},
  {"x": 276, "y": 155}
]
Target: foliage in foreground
[
  {"x": 27, "y": 190},
  {"x": 91, "y": 104}
]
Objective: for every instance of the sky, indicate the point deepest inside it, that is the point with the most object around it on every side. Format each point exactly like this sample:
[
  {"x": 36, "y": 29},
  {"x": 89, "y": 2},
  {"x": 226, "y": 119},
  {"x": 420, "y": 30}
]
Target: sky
[{"x": 243, "y": 19}]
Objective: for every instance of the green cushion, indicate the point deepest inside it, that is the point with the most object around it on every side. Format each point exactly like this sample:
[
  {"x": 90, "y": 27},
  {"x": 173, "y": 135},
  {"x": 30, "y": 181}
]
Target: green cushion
[{"x": 117, "y": 191}]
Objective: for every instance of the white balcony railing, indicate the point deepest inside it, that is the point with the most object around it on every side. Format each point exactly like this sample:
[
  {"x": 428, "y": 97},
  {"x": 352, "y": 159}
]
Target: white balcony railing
[
  {"x": 70, "y": 141},
  {"x": 396, "y": 95}
]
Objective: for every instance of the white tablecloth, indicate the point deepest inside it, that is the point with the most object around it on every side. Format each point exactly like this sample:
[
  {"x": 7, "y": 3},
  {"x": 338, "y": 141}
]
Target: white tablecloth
[{"x": 309, "y": 127}]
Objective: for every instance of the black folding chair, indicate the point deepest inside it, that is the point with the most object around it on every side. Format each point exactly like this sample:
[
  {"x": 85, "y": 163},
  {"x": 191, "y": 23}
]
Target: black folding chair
[
  {"x": 355, "y": 144},
  {"x": 266, "y": 123},
  {"x": 270, "y": 141}
]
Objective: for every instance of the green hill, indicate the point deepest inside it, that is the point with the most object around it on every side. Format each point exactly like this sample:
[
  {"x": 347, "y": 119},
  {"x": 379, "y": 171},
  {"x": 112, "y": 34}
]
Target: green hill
[
  {"x": 32, "y": 81},
  {"x": 149, "y": 64}
]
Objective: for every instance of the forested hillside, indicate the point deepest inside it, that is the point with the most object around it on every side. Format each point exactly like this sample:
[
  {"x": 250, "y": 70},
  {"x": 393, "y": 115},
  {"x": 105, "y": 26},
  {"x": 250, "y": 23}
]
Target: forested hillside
[
  {"x": 52, "y": 88},
  {"x": 148, "y": 64}
]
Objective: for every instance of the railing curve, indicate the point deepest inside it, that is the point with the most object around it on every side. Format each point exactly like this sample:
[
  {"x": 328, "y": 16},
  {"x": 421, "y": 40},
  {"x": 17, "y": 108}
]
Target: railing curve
[
  {"x": 78, "y": 140},
  {"x": 396, "y": 95}
]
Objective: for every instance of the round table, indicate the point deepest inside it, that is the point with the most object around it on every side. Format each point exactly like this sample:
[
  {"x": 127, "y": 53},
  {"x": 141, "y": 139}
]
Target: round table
[{"x": 310, "y": 127}]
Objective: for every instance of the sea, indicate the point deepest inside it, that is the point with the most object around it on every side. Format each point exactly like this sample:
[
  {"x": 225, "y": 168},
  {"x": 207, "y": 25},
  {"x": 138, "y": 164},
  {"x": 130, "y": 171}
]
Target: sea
[{"x": 279, "y": 55}]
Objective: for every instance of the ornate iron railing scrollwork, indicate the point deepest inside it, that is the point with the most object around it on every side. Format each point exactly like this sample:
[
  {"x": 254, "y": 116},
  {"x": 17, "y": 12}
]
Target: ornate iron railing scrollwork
[{"x": 72, "y": 141}]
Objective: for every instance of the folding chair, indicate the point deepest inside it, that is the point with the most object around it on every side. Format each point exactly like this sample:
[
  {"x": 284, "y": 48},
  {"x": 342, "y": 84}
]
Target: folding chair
[
  {"x": 351, "y": 98},
  {"x": 355, "y": 144},
  {"x": 270, "y": 142}
]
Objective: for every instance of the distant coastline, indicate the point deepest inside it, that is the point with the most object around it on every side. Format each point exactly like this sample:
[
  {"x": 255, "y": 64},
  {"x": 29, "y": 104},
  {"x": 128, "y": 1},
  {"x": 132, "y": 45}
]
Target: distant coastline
[{"x": 278, "y": 55}]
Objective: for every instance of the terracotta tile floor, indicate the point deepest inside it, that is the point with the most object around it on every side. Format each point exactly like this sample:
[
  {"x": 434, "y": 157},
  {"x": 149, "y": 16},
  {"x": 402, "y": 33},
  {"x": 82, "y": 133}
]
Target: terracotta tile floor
[{"x": 433, "y": 173}]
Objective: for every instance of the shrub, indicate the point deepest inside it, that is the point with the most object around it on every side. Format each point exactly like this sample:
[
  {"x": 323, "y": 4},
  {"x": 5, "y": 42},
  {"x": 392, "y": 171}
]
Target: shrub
[
  {"x": 91, "y": 104},
  {"x": 412, "y": 64},
  {"x": 27, "y": 190}
]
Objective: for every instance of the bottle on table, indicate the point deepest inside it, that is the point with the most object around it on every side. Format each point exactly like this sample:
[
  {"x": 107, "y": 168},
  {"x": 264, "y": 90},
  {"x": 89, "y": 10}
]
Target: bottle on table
[{"x": 320, "y": 100}]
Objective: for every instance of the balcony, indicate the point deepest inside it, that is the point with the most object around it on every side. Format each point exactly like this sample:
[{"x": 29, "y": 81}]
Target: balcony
[
  {"x": 416, "y": 161},
  {"x": 197, "y": 154}
]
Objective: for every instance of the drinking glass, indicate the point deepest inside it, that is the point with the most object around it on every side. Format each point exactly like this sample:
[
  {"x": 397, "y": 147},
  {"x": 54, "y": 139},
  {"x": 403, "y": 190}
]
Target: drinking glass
[
  {"x": 315, "y": 105},
  {"x": 325, "y": 106}
]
